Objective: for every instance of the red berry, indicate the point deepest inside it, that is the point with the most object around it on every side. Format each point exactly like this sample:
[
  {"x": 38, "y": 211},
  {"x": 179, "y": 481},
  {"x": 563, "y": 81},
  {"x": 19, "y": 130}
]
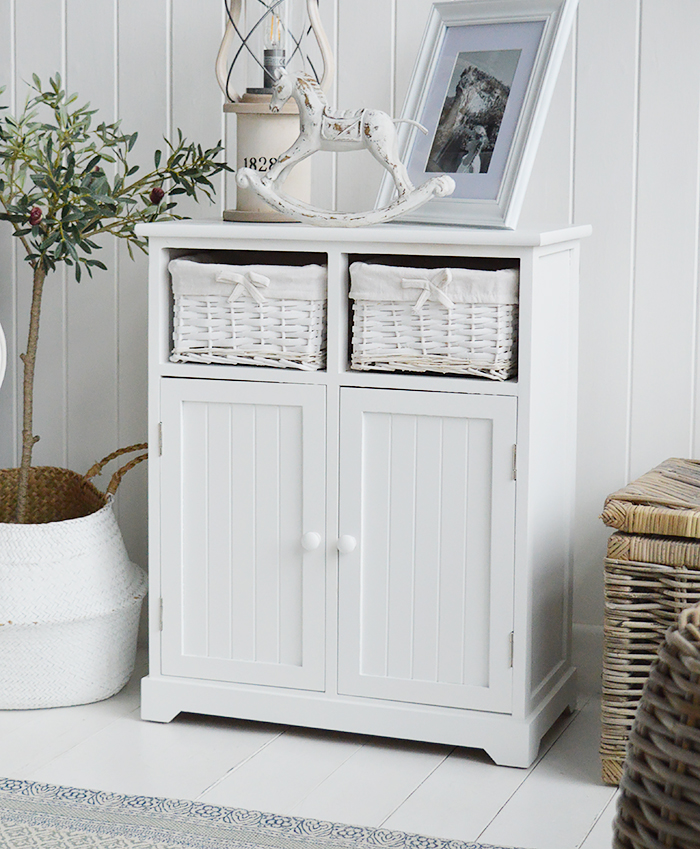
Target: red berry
[
  {"x": 157, "y": 195},
  {"x": 35, "y": 215}
]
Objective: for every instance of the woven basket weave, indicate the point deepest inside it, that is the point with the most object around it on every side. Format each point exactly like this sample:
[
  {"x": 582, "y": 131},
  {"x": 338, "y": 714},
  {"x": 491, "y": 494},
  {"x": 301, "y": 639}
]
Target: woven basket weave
[
  {"x": 651, "y": 575},
  {"x": 642, "y": 600},
  {"x": 659, "y": 803},
  {"x": 260, "y": 315},
  {"x": 664, "y": 501},
  {"x": 450, "y": 321},
  {"x": 70, "y": 598}
]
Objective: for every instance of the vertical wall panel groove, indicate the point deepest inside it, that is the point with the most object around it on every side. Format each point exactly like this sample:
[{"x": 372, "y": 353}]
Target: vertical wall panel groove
[
  {"x": 9, "y": 392},
  {"x": 633, "y": 239},
  {"x": 695, "y": 413}
]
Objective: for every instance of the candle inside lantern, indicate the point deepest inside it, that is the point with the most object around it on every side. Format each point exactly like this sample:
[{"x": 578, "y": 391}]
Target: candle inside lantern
[{"x": 274, "y": 54}]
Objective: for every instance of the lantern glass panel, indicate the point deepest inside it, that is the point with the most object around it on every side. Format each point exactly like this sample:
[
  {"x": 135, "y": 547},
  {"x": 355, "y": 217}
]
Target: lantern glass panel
[{"x": 275, "y": 35}]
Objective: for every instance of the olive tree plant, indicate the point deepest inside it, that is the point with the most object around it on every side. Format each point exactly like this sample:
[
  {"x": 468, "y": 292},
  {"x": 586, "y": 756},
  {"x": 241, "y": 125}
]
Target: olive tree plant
[{"x": 64, "y": 181}]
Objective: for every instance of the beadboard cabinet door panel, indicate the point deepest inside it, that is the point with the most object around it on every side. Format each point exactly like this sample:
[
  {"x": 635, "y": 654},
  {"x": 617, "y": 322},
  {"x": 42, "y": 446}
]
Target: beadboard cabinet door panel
[
  {"x": 243, "y": 481},
  {"x": 427, "y": 489}
]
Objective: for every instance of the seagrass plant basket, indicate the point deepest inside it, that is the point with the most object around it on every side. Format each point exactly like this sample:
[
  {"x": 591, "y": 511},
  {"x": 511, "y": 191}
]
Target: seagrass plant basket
[
  {"x": 70, "y": 599},
  {"x": 659, "y": 802}
]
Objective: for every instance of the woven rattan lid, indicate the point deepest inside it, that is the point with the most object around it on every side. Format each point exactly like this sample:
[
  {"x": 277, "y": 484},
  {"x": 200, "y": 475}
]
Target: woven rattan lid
[
  {"x": 664, "y": 501},
  {"x": 650, "y": 548}
]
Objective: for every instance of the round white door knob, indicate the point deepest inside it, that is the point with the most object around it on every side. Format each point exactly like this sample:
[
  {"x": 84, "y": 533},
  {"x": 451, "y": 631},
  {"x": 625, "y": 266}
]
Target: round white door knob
[
  {"x": 311, "y": 541},
  {"x": 346, "y": 544}
]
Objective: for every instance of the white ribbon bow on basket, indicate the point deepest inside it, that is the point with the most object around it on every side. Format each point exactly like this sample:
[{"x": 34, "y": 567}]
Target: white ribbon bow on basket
[
  {"x": 432, "y": 288},
  {"x": 251, "y": 282}
]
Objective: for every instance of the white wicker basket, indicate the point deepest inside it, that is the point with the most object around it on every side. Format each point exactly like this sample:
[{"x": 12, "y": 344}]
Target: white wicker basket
[
  {"x": 266, "y": 315},
  {"x": 448, "y": 320}
]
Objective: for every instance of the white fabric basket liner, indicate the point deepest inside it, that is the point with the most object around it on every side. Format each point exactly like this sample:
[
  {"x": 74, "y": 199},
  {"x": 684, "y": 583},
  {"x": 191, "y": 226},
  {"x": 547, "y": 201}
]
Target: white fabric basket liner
[
  {"x": 195, "y": 277},
  {"x": 68, "y": 570},
  {"x": 459, "y": 285}
]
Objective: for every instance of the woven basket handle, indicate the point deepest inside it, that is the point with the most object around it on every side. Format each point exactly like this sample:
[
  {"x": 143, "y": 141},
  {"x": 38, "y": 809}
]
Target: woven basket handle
[{"x": 119, "y": 474}]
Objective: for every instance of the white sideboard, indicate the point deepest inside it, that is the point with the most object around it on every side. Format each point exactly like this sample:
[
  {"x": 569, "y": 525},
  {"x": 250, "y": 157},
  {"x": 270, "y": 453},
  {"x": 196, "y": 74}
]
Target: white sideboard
[{"x": 373, "y": 552}]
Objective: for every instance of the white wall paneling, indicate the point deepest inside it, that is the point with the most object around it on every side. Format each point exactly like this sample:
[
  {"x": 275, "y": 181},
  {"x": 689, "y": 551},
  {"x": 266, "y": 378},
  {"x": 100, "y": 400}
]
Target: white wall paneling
[
  {"x": 620, "y": 151},
  {"x": 8, "y": 284},
  {"x": 365, "y": 72},
  {"x": 42, "y": 50},
  {"x": 91, "y": 314},
  {"x": 607, "y": 272},
  {"x": 666, "y": 247}
]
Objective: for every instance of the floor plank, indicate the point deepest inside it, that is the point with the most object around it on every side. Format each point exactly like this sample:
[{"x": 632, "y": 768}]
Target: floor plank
[
  {"x": 600, "y": 836},
  {"x": 368, "y": 786},
  {"x": 279, "y": 775},
  {"x": 179, "y": 759},
  {"x": 459, "y": 799},
  {"x": 559, "y": 802},
  {"x": 465, "y": 793}
]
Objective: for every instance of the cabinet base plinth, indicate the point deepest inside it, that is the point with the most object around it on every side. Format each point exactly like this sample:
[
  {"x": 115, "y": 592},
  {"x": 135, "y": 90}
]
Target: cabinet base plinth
[{"x": 508, "y": 741}]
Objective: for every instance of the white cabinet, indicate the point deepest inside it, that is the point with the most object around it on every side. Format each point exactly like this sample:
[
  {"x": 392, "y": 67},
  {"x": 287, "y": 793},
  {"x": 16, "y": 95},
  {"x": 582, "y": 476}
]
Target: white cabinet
[{"x": 384, "y": 553}]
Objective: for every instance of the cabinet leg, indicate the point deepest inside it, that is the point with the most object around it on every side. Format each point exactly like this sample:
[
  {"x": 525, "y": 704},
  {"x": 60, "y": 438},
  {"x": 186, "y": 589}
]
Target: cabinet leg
[
  {"x": 515, "y": 750},
  {"x": 154, "y": 707}
]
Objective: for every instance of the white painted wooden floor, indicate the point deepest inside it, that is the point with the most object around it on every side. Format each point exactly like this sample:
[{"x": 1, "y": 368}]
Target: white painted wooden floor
[{"x": 559, "y": 803}]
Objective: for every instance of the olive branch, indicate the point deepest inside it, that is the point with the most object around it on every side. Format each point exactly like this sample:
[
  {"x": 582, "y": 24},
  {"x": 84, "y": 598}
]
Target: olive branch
[{"x": 64, "y": 182}]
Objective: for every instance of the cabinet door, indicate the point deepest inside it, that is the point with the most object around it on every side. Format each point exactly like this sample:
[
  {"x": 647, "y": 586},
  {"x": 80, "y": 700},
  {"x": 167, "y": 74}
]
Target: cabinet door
[
  {"x": 426, "y": 597},
  {"x": 243, "y": 479}
]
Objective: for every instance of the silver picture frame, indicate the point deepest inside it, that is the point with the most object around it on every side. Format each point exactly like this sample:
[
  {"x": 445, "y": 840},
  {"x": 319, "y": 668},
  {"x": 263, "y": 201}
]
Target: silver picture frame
[{"x": 481, "y": 86}]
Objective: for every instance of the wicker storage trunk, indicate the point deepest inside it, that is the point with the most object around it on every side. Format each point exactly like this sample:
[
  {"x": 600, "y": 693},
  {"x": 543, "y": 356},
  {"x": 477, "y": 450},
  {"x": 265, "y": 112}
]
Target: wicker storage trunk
[
  {"x": 652, "y": 573},
  {"x": 657, "y": 806},
  {"x": 446, "y": 320},
  {"x": 264, "y": 315}
]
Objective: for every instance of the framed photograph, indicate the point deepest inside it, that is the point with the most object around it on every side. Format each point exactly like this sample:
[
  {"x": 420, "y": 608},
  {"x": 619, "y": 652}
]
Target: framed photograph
[{"x": 481, "y": 87}]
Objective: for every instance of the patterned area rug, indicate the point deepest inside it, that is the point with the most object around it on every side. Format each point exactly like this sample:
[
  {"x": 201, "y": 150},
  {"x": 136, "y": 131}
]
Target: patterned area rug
[{"x": 42, "y": 816}]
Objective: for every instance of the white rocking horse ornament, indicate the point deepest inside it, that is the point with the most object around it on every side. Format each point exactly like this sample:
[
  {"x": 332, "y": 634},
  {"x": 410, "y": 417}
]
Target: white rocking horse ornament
[{"x": 323, "y": 129}]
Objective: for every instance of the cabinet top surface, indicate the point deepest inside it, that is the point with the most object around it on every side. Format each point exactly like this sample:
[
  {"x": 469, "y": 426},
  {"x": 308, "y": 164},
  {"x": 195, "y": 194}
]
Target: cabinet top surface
[{"x": 434, "y": 234}]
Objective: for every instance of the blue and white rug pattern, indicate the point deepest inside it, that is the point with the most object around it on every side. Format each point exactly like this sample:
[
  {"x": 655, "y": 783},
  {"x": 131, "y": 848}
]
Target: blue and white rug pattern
[{"x": 38, "y": 816}]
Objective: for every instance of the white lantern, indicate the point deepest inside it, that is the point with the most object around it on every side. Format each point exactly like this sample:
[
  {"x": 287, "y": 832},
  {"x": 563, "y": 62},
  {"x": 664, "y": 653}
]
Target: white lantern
[{"x": 262, "y": 36}]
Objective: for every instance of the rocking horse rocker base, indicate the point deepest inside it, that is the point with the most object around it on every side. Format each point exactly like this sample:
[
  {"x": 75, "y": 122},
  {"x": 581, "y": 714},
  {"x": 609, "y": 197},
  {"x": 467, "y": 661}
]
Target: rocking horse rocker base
[
  {"x": 321, "y": 128},
  {"x": 299, "y": 211}
]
